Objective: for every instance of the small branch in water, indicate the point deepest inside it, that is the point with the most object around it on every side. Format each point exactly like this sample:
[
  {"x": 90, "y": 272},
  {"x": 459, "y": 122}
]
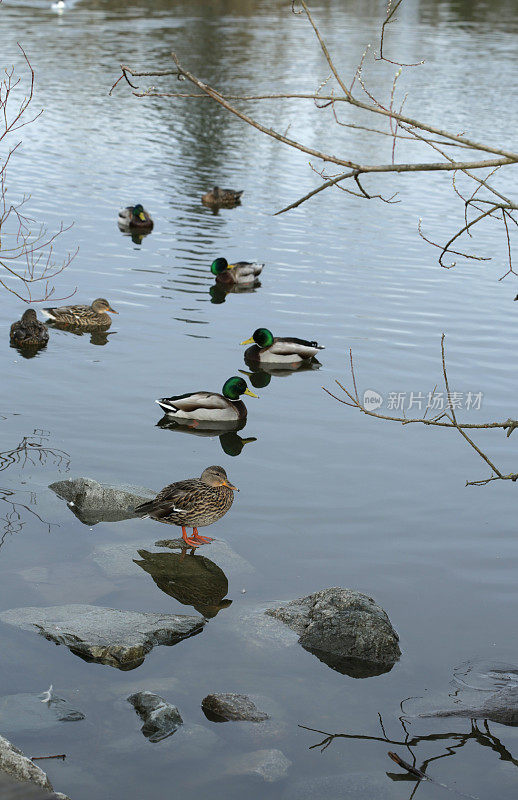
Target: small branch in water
[{"x": 41, "y": 758}]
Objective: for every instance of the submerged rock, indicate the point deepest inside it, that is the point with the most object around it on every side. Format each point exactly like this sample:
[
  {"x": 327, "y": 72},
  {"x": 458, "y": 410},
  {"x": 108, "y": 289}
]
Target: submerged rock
[
  {"x": 230, "y": 706},
  {"x": 94, "y": 502},
  {"x": 120, "y": 639},
  {"x": 14, "y": 763},
  {"x": 500, "y": 707},
  {"x": 160, "y": 719},
  {"x": 483, "y": 689},
  {"x": 270, "y": 765},
  {"x": 345, "y": 629},
  {"x": 28, "y": 712},
  {"x": 219, "y": 551}
]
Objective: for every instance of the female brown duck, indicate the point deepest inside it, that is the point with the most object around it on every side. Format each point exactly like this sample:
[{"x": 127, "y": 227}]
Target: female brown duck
[
  {"x": 86, "y": 317},
  {"x": 193, "y": 503},
  {"x": 29, "y": 331}
]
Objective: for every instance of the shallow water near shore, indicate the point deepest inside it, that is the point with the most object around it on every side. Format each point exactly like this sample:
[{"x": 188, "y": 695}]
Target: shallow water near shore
[{"x": 328, "y": 497}]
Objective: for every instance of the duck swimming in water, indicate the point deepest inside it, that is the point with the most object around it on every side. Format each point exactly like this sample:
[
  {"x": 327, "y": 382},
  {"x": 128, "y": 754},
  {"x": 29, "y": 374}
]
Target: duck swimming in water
[
  {"x": 222, "y": 197},
  {"x": 85, "y": 317},
  {"x": 242, "y": 273},
  {"x": 135, "y": 218},
  {"x": 29, "y": 331},
  {"x": 209, "y": 406},
  {"x": 193, "y": 503},
  {"x": 269, "y": 349}
]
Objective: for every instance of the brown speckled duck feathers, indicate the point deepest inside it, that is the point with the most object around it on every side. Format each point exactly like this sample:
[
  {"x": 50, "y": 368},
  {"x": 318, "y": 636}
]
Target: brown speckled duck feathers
[
  {"x": 195, "y": 502},
  {"x": 90, "y": 318}
]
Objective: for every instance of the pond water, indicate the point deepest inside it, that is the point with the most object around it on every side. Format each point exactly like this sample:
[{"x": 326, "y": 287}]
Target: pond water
[{"x": 328, "y": 497}]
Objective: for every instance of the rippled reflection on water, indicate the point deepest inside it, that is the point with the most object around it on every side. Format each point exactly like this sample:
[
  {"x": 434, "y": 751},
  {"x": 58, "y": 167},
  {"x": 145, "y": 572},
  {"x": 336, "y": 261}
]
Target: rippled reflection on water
[{"x": 327, "y": 497}]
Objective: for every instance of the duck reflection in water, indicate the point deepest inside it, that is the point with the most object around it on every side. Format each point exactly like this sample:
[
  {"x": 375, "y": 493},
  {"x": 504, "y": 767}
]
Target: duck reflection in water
[
  {"x": 261, "y": 375},
  {"x": 218, "y": 292},
  {"x": 193, "y": 580},
  {"x": 231, "y": 443}
]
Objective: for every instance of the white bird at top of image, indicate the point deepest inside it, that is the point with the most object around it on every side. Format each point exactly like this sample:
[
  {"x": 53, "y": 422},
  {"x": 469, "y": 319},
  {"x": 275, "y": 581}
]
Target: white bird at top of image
[{"x": 59, "y": 6}]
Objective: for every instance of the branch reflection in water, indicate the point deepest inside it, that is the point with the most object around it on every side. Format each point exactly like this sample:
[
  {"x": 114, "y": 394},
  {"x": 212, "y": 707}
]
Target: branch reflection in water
[
  {"x": 32, "y": 451},
  {"x": 193, "y": 580},
  {"x": 415, "y": 769}
]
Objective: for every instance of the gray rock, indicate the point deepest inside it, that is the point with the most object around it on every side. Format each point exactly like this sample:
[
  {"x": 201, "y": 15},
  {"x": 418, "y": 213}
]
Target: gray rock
[
  {"x": 116, "y": 560},
  {"x": 120, "y": 639},
  {"x": 500, "y": 707},
  {"x": 14, "y": 763},
  {"x": 345, "y": 629},
  {"x": 352, "y": 785},
  {"x": 94, "y": 502},
  {"x": 27, "y": 712},
  {"x": 160, "y": 719},
  {"x": 230, "y": 706},
  {"x": 270, "y": 765}
]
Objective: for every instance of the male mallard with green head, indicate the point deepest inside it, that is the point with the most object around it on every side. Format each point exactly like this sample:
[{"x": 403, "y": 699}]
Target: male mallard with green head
[
  {"x": 222, "y": 197},
  {"x": 242, "y": 272},
  {"x": 29, "y": 331},
  {"x": 209, "y": 406},
  {"x": 193, "y": 503},
  {"x": 269, "y": 349},
  {"x": 85, "y": 317},
  {"x": 135, "y": 218}
]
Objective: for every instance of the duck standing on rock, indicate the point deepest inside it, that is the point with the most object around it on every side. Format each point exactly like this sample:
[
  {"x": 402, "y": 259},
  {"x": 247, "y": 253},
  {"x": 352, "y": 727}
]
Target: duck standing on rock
[
  {"x": 209, "y": 407},
  {"x": 269, "y": 349},
  {"x": 29, "y": 331},
  {"x": 85, "y": 317},
  {"x": 135, "y": 218},
  {"x": 242, "y": 273},
  {"x": 193, "y": 503}
]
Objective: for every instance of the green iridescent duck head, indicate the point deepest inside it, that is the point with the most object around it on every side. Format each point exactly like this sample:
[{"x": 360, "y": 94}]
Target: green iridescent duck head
[
  {"x": 262, "y": 337},
  {"x": 219, "y": 266},
  {"x": 234, "y": 387},
  {"x": 138, "y": 211}
]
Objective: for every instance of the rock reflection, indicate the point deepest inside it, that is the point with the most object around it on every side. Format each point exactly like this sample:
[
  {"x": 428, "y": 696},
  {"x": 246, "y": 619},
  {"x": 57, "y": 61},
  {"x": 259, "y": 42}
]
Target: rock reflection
[
  {"x": 193, "y": 580},
  {"x": 231, "y": 443}
]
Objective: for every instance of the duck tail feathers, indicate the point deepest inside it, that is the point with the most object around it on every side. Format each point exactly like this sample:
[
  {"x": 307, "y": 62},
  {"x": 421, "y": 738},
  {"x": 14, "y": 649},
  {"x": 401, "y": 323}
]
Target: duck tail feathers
[
  {"x": 143, "y": 508},
  {"x": 166, "y": 405}
]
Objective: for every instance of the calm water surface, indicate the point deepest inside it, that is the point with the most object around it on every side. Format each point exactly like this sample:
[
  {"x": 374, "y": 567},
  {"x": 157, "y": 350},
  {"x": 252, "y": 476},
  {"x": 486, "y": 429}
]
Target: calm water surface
[{"x": 328, "y": 497}]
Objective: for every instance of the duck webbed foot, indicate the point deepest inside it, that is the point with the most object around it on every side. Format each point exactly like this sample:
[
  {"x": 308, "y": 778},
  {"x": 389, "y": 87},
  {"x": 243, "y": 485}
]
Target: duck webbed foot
[
  {"x": 201, "y": 539},
  {"x": 192, "y": 542}
]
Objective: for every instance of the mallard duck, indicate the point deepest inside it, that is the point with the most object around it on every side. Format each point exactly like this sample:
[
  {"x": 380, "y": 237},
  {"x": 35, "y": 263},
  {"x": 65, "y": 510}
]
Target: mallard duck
[
  {"x": 135, "y": 218},
  {"x": 193, "y": 503},
  {"x": 209, "y": 406},
  {"x": 242, "y": 272},
  {"x": 86, "y": 317},
  {"x": 29, "y": 331},
  {"x": 222, "y": 197},
  {"x": 270, "y": 349}
]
